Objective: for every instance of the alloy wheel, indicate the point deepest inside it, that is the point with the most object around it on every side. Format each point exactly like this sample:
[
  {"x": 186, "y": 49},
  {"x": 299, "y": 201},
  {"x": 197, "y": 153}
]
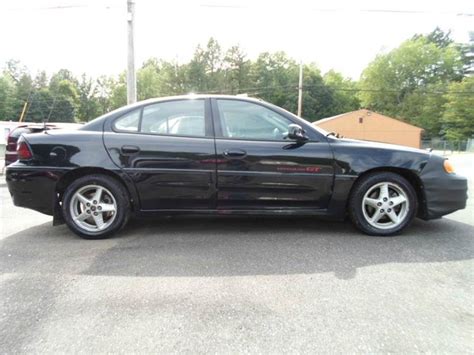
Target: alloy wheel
[
  {"x": 385, "y": 205},
  {"x": 93, "y": 208}
]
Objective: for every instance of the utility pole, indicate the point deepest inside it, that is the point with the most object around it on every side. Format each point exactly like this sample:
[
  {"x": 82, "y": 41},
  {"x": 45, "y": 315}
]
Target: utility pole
[
  {"x": 131, "y": 78},
  {"x": 300, "y": 90},
  {"x": 22, "y": 116}
]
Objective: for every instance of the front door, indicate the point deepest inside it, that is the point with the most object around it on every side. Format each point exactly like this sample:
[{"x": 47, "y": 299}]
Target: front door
[
  {"x": 167, "y": 148},
  {"x": 258, "y": 168}
]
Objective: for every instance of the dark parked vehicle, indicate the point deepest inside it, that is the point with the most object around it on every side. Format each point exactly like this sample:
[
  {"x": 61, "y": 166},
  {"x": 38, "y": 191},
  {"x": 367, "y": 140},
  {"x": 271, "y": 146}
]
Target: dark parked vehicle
[
  {"x": 11, "y": 154},
  {"x": 224, "y": 155}
]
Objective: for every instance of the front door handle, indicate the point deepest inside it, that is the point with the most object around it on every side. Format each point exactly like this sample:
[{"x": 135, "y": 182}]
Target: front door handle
[
  {"x": 234, "y": 153},
  {"x": 130, "y": 149}
]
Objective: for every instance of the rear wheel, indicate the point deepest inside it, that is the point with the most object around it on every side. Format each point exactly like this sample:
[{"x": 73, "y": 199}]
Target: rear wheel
[
  {"x": 95, "y": 206},
  {"x": 383, "y": 204}
]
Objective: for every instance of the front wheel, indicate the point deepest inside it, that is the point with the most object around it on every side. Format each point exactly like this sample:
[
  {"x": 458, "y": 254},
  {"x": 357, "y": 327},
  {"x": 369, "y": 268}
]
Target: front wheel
[
  {"x": 95, "y": 206},
  {"x": 382, "y": 204}
]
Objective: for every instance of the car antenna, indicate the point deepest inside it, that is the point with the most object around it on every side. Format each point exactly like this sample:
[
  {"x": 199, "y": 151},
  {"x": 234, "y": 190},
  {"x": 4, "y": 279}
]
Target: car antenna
[{"x": 50, "y": 111}]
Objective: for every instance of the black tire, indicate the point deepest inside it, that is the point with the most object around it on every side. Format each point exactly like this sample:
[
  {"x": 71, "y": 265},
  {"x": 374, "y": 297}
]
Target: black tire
[
  {"x": 121, "y": 205},
  {"x": 359, "y": 213}
]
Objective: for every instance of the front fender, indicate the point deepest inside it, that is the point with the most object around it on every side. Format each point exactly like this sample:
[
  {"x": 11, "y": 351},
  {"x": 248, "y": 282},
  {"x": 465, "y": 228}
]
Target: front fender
[{"x": 355, "y": 158}]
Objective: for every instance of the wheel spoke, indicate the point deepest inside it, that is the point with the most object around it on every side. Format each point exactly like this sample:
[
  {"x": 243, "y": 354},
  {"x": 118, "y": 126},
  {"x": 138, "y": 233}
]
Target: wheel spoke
[
  {"x": 372, "y": 202},
  {"x": 398, "y": 200},
  {"x": 384, "y": 191},
  {"x": 107, "y": 207},
  {"x": 83, "y": 199},
  {"x": 393, "y": 216},
  {"x": 99, "y": 221},
  {"x": 376, "y": 216},
  {"x": 98, "y": 194},
  {"x": 82, "y": 216}
]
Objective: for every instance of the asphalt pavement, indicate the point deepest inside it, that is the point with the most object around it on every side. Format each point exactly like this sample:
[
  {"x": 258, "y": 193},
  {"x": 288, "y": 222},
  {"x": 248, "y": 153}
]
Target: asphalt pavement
[{"x": 255, "y": 285}]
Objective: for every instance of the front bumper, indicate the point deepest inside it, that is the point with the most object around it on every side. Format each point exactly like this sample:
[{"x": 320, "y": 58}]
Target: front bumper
[
  {"x": 33, "y": 187},
  {"x": 444, "y": 193}
]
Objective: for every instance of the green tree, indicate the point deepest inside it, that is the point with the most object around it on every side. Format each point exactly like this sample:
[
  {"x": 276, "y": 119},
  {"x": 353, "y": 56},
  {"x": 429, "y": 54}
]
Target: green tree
[
  {"x": 426, "y": 107},
  {"x": 63, "y": 88},
  {"x": 118, "y": 91},
  {"x": 390, "y": 77},
  {"x": 61, "y": 76},
  {"x": 41, "y": 80},
  {"x": 15, "y": 69},
  {"x": 458, "y": 118},
  {"x": 148, "y": 81},
  {"x": 318, "y": 98},
  {"x": 467, "y": 55},
  {"x": 23, "y": 92},
  {"x": 89, "y": 106},
  {"x": 105, "y": 86},
  {"x": 440, "y": 38},
  {"x": 172, "y": 78},
  {"x": 41, "y": 104},
  {"x": 196, "y": 77},
  {"x": 7, "y": 98},
  {"x": 400, "y": 82},
  {"x": 345, "y": 94},
  {"x": 204, "y": 72},
  {"x": 236, "y": 70},
  {"x": 275, "y": 78}
]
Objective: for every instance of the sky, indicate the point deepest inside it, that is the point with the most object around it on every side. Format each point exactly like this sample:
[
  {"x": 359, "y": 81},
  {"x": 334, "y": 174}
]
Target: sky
[{"x": 88, "y": 36}]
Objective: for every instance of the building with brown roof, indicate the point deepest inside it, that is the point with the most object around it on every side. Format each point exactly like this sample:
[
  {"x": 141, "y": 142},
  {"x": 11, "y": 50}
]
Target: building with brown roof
[{"x": 372, "y": 126}]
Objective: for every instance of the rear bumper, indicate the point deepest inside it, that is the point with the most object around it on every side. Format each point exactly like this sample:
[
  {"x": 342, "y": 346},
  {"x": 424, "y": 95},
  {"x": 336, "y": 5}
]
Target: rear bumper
[
  {"x": 10, "y": 157},
  {"x": 32, "y": 187},
  {"x": 444, "y": 193}
]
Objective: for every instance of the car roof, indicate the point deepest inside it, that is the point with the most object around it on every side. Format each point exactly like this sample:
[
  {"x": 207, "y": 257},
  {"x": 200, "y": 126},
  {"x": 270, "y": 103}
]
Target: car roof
[{"x": 195, "y": 96}]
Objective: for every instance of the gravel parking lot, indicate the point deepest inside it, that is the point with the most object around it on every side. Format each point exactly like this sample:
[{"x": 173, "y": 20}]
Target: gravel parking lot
[{"x": 237, "y": 285}]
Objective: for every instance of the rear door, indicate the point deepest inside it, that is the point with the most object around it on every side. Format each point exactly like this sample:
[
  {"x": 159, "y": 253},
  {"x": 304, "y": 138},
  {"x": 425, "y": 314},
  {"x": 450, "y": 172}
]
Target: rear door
[
  {"x": 167, "y": 148},
  {"x": 259, "y": 169}
]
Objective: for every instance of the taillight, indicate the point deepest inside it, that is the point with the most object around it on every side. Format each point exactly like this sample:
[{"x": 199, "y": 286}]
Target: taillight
[
  {"x": 24, "y": 152},
  {"x": 11, "y": 143}
]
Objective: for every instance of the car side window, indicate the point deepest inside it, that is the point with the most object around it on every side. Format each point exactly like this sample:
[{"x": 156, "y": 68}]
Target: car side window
[
  {"x": 128, "y": 122},
  {"x": 247, "y": 120},
  {"x": 182, "y": 118}
]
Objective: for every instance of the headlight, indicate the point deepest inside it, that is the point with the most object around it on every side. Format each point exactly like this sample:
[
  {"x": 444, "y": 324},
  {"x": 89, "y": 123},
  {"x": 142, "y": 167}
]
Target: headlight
[{"x": 448, "y": 167}]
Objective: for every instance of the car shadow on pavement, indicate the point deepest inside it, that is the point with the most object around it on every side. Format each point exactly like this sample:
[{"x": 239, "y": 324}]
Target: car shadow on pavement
[{"x": 182, "y": 246}]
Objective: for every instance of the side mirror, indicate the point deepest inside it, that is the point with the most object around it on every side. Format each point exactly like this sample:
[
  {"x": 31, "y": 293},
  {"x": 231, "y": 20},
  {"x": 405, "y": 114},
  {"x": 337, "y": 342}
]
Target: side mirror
[{"x": 296, "y": 132}]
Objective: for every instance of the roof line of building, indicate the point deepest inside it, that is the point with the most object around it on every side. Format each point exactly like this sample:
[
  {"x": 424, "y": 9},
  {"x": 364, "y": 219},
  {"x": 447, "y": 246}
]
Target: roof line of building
[{"x": 327, "y": 119}]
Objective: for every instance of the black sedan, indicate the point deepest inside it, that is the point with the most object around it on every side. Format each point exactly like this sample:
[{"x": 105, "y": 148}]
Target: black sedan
[{"x": 222, "y": 155}]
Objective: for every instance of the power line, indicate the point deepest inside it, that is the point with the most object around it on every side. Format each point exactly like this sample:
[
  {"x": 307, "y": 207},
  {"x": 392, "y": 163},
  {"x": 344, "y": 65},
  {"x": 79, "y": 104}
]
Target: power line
[
  {"x": 264, "y": 89},
  {"x": 329, "y": 88},
  {"x": 440, "y": 92},
  {"x": 336, "y": 10},
  {"x": 251, "y": 7},
  {"x": 63, "y": 7}
]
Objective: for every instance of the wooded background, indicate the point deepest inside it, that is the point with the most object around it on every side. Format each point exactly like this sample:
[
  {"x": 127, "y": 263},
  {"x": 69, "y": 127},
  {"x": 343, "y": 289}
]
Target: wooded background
[{"x": 427, "y": 81}]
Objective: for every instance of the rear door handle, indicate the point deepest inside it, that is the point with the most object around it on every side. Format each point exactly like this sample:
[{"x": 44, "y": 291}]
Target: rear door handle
[
  {"x": 234, "y": 153},
  {"x": 130, "y": 149}
]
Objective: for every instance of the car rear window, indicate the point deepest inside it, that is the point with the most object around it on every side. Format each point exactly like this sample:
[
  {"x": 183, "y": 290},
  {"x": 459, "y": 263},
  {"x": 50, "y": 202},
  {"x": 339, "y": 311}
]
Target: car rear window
[{"x": 16, "y": 133}]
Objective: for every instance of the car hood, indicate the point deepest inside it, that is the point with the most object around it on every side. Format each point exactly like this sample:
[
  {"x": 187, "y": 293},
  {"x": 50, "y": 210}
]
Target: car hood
[{"x": 385, "y": 146}]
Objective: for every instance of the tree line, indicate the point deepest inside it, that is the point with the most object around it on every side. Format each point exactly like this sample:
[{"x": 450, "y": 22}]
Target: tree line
[{"x": 426, "y": 81}]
